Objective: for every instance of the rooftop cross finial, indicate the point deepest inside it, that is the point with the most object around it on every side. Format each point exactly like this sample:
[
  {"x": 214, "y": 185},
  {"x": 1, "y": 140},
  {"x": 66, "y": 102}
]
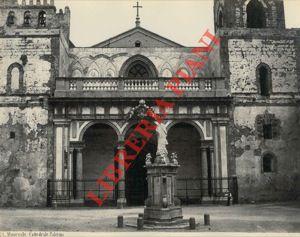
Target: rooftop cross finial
[{"x": 137, "y": 22}]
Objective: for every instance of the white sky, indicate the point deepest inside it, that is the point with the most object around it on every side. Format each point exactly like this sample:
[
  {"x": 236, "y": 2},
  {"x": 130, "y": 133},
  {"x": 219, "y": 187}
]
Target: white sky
[{"x": 182, "y": 21}]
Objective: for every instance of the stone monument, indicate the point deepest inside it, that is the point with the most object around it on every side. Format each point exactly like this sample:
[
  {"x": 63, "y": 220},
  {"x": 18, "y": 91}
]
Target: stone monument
[{"x": 162, "y": 207}]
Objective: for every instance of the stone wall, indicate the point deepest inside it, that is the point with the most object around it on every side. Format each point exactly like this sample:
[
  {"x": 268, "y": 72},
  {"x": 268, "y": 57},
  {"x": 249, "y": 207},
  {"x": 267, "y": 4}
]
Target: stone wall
[
  {"x": 242, "y": 51},
  {"x": 24, "y": 152},
  {"x": 254, "y": 184},
  {"x": 36, "y": 78},
  {"x": 26, "y": 127},
  {"x": 278, "y": 54}
]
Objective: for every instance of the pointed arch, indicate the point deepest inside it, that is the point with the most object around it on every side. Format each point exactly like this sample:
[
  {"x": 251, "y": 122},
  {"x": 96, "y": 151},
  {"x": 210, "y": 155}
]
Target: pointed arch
[
  {"x": 139, "y": 65},
  {"x": 220, "y": 19},
  {"x": 94, "y": 70},
  {"x": 166, "y": 73}
]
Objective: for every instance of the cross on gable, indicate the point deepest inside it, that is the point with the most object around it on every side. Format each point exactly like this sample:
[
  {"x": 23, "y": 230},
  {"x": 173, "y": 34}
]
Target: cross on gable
[{"x": 137, "y": 6}]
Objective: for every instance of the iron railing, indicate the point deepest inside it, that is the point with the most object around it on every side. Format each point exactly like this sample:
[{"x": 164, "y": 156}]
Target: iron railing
[{"x": 189, "y": 190}]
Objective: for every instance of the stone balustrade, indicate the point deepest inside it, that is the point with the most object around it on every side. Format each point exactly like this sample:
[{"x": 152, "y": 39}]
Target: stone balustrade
[
  {"x": 140, "y": 85},
  {"x": 128, "y": 87}
]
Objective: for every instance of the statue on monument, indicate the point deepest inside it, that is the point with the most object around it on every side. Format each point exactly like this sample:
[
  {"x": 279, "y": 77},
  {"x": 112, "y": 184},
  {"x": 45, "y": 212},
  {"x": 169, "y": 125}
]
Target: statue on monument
[{"x": 162, "y": 142}]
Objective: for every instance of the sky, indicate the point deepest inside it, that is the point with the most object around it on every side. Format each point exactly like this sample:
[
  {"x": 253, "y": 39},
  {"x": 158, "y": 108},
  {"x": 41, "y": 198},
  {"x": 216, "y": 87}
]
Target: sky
[{"x": 183, "y": 21}]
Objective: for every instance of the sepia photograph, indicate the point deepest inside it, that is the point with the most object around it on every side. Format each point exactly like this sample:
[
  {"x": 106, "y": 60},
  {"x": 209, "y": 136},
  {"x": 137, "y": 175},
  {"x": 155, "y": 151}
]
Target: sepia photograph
[{"x": 149, "y": 118}]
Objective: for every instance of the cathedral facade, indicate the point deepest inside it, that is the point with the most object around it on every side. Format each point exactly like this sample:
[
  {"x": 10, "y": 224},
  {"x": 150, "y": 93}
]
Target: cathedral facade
[{"x": 64, "y": 109}]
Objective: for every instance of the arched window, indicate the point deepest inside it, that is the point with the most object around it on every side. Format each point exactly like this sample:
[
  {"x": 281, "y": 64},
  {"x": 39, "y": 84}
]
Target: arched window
[
  {"x": 264, "y": 79},
  {"x": 256, "y": 16},
  {"x": 138, "y": 66},
  {"x": 15, "y": 75},
  {"x": 137, "y": 44},
  {"x": 27, "y": 18},
  {"x": 10, "y": 18},
  {"x": 268, "y": 163},
  {"x": 42, "y": 19},
  {"x": 138, "y": 70},
  {"x": 220, "y": 19}
]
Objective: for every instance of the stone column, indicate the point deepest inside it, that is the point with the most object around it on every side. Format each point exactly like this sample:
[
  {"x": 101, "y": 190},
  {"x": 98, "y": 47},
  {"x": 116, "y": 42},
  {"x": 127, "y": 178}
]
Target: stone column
[
  {"x": 61, "y": 146},
  {"x": 79, "y": 172},
  {"x": 212, "y": 168},
  {"x": 223, "y": 153},
  {"x": 204, "y": 171},
  {"x": 216, "y": 157},
  {"x": 61, "y": 126},
  {"x": 121, "y": 202},
  {"x": 70, "y": 164},
  {"x": 70, "y": 169},
  {"x": 220, "y": 154}
]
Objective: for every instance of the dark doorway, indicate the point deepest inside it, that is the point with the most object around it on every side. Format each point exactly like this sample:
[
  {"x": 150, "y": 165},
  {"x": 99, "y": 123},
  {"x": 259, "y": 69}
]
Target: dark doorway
[{"x": 136, "y": 184}]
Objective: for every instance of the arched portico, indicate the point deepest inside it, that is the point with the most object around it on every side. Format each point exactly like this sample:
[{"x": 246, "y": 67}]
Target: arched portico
[{"x": 200, "y": 144}]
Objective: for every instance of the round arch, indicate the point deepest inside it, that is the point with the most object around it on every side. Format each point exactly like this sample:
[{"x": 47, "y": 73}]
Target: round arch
[
  {"x": 143, "y": 61},
  {"x": 192, "y": 123},
  {"x": 90, "y": 124}
]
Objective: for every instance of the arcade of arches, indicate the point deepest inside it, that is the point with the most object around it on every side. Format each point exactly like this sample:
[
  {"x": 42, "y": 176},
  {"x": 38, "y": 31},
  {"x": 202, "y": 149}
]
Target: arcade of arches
[{"x": 100, "y": 142}]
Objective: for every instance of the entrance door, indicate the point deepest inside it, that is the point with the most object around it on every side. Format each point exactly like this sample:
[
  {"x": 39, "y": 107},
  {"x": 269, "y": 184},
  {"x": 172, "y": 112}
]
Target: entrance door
[{"x": 136, "y": 184}]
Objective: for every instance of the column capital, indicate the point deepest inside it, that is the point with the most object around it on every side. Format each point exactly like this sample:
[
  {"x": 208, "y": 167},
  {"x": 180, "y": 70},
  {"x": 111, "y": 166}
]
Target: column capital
[
  {"x": 220, "y": 121},
  {"x": 77, "y": 145},
  {"x": 61, "y": 122},
  {"x": 203, "y": 148}
]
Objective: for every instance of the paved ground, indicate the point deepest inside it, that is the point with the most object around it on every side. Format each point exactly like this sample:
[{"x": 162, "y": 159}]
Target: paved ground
[{"x": 278, "y": 217}]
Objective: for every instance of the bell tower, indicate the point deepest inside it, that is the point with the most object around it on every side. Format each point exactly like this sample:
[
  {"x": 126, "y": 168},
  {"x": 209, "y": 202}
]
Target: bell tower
[{"x": 249, "y": 14}]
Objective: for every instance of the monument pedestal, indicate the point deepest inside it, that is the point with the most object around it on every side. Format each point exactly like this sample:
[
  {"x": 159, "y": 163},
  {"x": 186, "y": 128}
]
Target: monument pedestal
[{"x": 162, "y": 208}]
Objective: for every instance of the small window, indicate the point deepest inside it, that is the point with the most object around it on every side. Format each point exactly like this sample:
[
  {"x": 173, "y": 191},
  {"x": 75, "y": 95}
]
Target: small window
[
  {"x": 264, "y": 80},
  {"x": 27, "y": 18},
  {"x": 137, "y": 44},
  {"x": 42, "y": 19},
  {"x": 268, "y": 163},
  {"x": 10, "y": 18},
  {"x": 12, "y": 135},
  {"x": 220, "y": 19},
  {"x": 15, "y": 77},
  {"x": 267, "y": 130}
]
